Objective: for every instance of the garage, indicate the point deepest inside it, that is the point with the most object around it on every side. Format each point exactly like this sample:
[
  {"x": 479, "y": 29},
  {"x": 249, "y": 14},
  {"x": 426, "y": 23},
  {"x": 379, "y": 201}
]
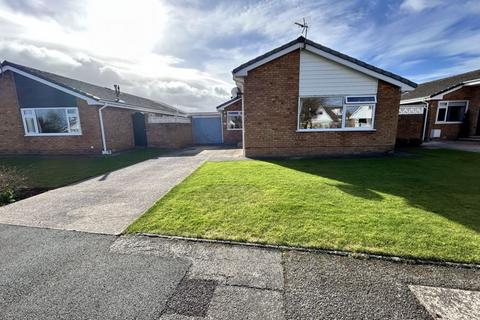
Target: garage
[{"x": 207, "y": 129}]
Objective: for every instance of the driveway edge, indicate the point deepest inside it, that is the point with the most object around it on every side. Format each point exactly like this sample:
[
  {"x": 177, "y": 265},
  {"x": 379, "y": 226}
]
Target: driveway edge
[{"x": 356, "y": 255}]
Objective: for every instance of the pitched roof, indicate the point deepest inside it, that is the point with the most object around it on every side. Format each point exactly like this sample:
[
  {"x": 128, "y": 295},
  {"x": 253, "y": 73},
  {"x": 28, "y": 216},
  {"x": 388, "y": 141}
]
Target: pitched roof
[
  {"x": 431, "y": 88},
  {"x": 227, "y": 103},
  {"x": 95, "y": 92},
  {"x": 302, "y": 40}
]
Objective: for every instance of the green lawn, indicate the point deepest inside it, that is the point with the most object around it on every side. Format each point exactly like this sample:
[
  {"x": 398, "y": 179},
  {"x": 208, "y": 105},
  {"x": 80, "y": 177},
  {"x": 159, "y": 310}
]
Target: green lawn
[
  {"x": 426, "y": 205},
  {"x": 45, "y": 172}
]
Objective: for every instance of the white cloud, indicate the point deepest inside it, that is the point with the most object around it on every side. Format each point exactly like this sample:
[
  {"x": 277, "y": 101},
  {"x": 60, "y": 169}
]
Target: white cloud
[
  {"x": 182, "y": 52},
  {"x": 419, "y": 5}
]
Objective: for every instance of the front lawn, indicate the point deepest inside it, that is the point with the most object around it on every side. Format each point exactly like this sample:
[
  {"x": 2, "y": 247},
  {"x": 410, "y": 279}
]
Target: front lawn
[
  {"x": 46, "y": 172},
  {"x": 426, "y": 205}
]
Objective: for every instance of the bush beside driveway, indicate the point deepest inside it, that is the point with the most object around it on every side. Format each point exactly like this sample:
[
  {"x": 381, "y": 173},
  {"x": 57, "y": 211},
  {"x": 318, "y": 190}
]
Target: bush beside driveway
[{"x": 425, "y": 205}]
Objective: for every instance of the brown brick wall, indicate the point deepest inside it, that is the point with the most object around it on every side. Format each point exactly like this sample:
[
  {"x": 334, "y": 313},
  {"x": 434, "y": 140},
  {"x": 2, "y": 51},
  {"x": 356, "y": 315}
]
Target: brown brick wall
[
  {"x": 231, "y": 137},
  {"x": 270, "y": 105},
  {"x": 12, "y": 135},
  {"x": 410, "y": 126},
  {"x": 118, "y": 126},
  {"x": 452, "y": 131},
  {"x": 169, "y": 135}
]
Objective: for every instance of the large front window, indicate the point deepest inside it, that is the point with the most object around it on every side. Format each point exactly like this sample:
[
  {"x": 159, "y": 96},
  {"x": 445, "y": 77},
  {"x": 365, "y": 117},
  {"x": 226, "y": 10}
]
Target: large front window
[
  {"x": 451, "y": 111},
  {"x": 51, "y": 121},
  {"x": 336, "y": 113}
]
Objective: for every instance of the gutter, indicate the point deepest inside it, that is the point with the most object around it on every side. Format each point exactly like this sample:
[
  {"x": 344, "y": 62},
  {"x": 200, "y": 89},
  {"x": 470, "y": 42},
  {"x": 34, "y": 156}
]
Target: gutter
[{"x": 102, "y": 130}]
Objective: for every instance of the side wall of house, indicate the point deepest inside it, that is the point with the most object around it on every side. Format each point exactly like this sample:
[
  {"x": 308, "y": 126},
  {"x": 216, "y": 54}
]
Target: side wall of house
[
  {"x": 231, "y": 137},
  {"x": 271, "y": 102},
  {"x": 118, "y": 126},
  {"x": 12, "y": 134}
]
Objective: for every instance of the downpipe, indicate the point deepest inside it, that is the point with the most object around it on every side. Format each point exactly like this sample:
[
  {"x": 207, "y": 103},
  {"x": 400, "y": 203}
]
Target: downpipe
[{"x": 102, "y": 130}]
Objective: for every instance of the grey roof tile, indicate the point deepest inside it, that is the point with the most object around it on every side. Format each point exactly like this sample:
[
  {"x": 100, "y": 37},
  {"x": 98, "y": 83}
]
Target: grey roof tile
[{"x": 94, "y": 91}]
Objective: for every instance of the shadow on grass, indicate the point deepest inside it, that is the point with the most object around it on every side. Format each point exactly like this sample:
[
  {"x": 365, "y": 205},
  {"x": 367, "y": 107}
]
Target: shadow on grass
[{"x": 442, "y": 182}]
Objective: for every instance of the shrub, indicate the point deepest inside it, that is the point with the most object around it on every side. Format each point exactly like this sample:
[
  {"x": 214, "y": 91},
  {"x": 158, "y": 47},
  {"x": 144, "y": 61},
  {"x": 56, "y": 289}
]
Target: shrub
[{"x": 11, "y": 183}]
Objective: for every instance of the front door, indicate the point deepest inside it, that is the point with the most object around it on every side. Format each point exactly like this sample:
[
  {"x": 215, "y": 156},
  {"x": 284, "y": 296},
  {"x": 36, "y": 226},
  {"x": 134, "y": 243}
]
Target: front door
[{"x": 139, "y": 130}]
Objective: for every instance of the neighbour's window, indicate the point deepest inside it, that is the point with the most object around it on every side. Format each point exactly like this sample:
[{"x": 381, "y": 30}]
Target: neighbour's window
[
  {"x": 234, "y": 120},
  {"x": 333, "y": 113},
  {"x": 51, "y": 121},
  {"x": 451, "y": 111}
]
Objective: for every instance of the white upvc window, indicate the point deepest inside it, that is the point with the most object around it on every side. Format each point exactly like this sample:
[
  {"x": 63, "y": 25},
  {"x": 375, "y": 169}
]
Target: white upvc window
[
  {"x": 336, "y": 113},
  {"x": 234, "y": 120},
  {"x": 51, "y": 121},
  {"x": 451, "y": 112}
]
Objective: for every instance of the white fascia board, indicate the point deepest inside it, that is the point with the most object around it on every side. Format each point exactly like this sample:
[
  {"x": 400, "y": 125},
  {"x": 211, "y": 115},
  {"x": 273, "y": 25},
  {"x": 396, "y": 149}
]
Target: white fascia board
[
  {"x": 229, "y": 104},
  {"x": 441, "y": 95},
  {"x": 137, "y": 108},
  {"x": 329, "y": 56},
  {"x": 243, "y": 72},
  {"x": 89, "y": 100},
  {"x": 408, "y": 101},
  {"x": 475, "y": 82}
]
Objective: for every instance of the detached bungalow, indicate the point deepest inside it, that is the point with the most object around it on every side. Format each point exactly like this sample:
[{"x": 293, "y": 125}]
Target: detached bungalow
[
  {"x": 447, "y": 108},
  {"x": 304, "y": 99},
  {"x": 43, "y": 112}
]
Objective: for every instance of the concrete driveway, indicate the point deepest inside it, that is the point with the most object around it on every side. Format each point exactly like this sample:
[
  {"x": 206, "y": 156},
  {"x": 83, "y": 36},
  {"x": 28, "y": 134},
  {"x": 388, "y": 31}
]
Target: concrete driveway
[{"x": 109, "y": 203}]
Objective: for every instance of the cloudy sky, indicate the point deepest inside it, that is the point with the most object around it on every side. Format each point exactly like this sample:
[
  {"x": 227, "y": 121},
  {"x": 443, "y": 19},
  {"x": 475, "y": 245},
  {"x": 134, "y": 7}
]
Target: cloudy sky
[{"x": 182, "y": 52}]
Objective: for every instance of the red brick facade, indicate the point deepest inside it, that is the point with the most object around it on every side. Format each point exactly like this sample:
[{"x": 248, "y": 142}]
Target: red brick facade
[
  {"x": 410, "y": 126},
  {"x": 452, "y": 131},
  {"x": 117, "y": 123},
  {"x": 270, "y": 106},
  {"x": 231, "y": 137},
  {"x": 169, "y": 135}
]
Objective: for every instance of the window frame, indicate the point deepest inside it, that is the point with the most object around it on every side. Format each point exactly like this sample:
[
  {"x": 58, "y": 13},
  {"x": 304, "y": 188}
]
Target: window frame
[
  {"x": 374, "y": 96},
  {"x": 39, "y": 134},
  {"x": 236, "y": 113},
  {"x": 344, "y": 106},
  {"x": 446, "y": 111}
]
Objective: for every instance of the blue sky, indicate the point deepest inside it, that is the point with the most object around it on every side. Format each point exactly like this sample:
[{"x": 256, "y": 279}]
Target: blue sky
[{"x": 182, "y": 52}]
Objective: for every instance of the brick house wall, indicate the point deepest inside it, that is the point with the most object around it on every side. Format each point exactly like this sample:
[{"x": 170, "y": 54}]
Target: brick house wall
[
  {"x": 169, "y": 135},
  {"x": 452, "y": 131},
  {"x": 410, "y": 126},
  {"x": 12, "y": 134},
  {"x": 271, "y": 104},
  {"x": 231, "y": 137},
  {"x": 118, "y": 126},
  {"x": 117, "y": 123}
]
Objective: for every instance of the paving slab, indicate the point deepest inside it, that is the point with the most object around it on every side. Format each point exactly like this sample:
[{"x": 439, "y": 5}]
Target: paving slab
[
  {"x": 109, "y": 203},
  {"x": 228, "y": 264},
  {"x": 447, "y": 303}
]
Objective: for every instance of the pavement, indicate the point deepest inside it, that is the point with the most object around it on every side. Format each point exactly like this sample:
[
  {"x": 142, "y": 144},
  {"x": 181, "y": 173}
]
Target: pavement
[
  {"x": 470, "y": 146},
  {"x": 55, "y": 274},
  {"x": 109, "y": 203}
]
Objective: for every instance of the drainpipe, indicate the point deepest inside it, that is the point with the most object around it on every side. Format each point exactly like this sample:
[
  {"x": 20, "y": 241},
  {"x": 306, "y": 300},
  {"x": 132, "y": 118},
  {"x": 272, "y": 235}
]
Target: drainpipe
[
  {"x": 425, "y": 121},
  {"x": 102, "y": 129}
]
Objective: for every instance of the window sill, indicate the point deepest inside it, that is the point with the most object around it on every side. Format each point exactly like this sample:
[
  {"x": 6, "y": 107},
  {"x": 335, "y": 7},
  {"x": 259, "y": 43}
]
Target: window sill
[
  {"x": 53, "y": 135},
  {"x": 234, "y": 129},
  {"x": 336, "y": 130},
  {"x": 453, "y": 122}
]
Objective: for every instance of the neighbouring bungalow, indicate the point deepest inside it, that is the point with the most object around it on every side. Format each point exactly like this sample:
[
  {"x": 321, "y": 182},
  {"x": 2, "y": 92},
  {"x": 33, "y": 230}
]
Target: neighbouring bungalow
[
  {"x": 43, "y": 112},
  {"x": 447, "y": 109},
  {"x": 304, "y": 99},
  {"x": 231, "y": 119}
]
